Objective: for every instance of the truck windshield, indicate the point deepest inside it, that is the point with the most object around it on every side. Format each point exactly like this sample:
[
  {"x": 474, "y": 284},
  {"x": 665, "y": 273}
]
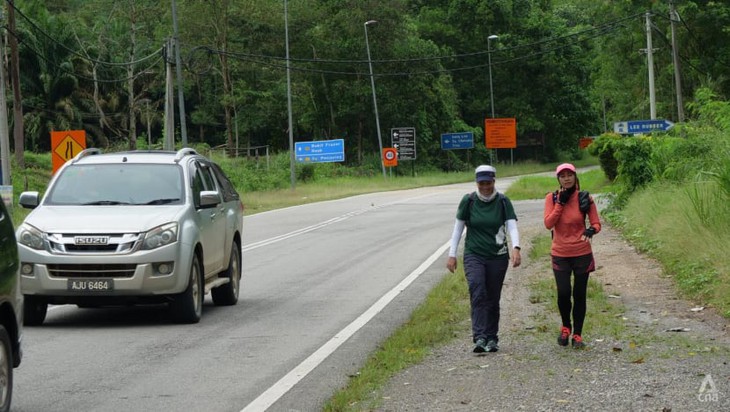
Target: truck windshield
[{"x": 118, "y": 184}]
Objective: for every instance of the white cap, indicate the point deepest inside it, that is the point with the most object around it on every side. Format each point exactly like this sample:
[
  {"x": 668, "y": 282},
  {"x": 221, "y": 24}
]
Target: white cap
[{"x": 485, "y": 173}]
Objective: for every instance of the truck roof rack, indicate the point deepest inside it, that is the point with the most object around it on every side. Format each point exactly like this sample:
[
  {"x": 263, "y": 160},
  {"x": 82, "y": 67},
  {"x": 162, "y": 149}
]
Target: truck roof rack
[
  {"x": 86, "y": 152},
  {"x": 185, "y": 151}
]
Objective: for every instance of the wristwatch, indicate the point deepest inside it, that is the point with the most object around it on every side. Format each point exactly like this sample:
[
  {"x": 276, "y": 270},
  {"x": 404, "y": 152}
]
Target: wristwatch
[{"x": 518, "y": 248}]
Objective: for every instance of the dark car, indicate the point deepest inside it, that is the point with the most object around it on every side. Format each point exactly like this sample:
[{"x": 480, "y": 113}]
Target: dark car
[{"x": 11, "y": 301}]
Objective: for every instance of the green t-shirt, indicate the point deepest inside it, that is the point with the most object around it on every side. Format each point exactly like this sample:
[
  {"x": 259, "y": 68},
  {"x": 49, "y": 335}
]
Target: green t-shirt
[{"x": 486, "y": 233}]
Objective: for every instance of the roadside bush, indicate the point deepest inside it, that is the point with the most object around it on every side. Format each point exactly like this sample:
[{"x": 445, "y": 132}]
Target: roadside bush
[{"x": 604, "y": 147}]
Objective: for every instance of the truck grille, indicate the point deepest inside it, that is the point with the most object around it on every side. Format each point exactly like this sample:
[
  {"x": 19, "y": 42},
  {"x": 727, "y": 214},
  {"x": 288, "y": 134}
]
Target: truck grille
[
  {"x": 113, "y": 243},
  {"x": 92, "y": 271}
]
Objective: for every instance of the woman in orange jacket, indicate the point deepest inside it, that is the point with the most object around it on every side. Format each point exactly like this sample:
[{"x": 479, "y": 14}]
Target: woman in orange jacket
[{"x": 565, "y": 214}]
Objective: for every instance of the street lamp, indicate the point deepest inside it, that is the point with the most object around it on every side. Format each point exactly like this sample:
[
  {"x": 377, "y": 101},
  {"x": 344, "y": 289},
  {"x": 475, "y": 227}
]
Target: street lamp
[
  {"x": 489, "y": 57},
  {"x": 375, "y": 99},
  {"x": 491, "y": 89}
]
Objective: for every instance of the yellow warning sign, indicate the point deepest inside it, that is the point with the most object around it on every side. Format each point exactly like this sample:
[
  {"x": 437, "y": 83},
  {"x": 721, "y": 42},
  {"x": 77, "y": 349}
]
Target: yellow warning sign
[{"x": 65, "y": 145}]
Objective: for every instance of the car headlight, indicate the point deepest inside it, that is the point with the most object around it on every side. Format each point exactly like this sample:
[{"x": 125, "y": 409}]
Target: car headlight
[
  {"x": 31, "y": 237},
  {"x": 160, "y": 236}
]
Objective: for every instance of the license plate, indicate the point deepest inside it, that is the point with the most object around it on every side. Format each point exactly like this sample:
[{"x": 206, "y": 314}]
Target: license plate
[{"x": 90, "y": 285}]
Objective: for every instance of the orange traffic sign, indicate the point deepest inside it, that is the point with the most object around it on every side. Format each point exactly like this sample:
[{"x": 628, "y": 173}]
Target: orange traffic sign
[
  {"x": 584, "y": 142},
  {"x": 390, "y": 157},
  {"x": 65, "y": 145},
  {"x": 500, "y": 133}
]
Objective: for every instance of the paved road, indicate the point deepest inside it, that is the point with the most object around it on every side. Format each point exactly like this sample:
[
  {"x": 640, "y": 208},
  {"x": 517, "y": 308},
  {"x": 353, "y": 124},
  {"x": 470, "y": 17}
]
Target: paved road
[{"x": 323, "y": 284}]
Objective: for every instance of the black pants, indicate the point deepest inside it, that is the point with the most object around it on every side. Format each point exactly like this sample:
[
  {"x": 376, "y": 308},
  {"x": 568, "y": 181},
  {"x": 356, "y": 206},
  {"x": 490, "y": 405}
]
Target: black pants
[
  {"x": 580, "y": 267},
  {"x": 485, "y": 278}
]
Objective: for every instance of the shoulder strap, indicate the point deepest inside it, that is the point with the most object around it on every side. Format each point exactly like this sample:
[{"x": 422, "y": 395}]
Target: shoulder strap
[
  {"x": 503, "y": 201},
  {"x": 467, "y": 212},
  {"x": 584, "y": 201}
]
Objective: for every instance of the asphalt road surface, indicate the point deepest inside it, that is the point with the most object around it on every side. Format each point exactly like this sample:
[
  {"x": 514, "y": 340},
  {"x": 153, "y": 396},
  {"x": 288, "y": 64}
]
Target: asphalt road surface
[{"x": 323, "y": 284}]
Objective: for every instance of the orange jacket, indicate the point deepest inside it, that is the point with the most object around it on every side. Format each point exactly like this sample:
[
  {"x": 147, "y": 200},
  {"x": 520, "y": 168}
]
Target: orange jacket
[{"x": 568, "y": 223}]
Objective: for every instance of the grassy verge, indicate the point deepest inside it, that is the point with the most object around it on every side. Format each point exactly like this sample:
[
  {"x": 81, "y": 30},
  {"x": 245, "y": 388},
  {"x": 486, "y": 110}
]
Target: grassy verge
[
  {"x": 340, "y": 187},
  {"x": 681, "y": 228}
]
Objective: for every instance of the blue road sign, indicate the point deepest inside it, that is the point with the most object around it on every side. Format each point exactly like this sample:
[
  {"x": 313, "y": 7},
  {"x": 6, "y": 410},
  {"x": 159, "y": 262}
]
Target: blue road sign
[
  {"x": 642, "y": 126},
  {"x": 323, "y": 151},
  {"x": 464, "y": 140}
]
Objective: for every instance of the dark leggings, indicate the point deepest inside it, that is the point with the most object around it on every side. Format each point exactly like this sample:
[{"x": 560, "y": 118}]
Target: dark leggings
[
  {"x": 580, "y": 266},
  {"x": 485, "y": 278}
]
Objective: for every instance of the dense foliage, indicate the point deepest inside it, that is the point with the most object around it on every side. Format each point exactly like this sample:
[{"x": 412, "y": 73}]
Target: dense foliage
[{"x": 563, "y": 69}]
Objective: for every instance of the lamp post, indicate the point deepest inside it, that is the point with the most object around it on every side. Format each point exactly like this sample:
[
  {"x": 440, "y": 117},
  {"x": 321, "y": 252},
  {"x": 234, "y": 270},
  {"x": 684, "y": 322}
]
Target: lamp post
[
  {"x": 491, "y": 89},
  {"x": 375, "y": 99}
]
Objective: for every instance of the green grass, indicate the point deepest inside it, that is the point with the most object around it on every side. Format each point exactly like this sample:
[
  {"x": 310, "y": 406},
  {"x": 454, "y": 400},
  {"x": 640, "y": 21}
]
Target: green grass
[
  {"x": 536, "y": 187},
  {"x": 339, "y": 187},
  {"x": 664, "y": 221}
]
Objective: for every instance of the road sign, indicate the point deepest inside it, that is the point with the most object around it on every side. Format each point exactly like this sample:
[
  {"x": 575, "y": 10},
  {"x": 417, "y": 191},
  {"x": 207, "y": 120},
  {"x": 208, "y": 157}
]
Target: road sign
[
  {"x": 390, "y": 157},
  {"x": 403, "y": 140},
  {"x": 642, "y": 126},
  {"x": 500, "y": 133},
  {"x": 464, "y": 140},
  {"x": 323, "y": 151},
  {"x": 65, "y": 145}
]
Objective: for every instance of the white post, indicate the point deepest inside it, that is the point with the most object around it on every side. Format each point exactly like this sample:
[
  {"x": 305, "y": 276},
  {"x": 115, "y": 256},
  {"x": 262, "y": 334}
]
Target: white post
[{"x": 650, "y": 63}]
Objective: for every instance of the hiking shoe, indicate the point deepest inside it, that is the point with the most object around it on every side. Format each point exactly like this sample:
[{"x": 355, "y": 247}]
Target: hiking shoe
[
  {"x": 578, "y": 342},
  {"x": 492, "y": 346},
  {"x": 564, "y": 335},
  {"x": 480, "y": 346}
]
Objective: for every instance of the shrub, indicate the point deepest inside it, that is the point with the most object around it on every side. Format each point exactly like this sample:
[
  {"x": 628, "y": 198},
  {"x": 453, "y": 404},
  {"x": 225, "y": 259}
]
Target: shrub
[{"x": 604, "y": 147}]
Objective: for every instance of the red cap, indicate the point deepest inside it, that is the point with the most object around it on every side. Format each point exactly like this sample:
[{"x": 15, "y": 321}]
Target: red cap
[{"x": 564, "y": 166}]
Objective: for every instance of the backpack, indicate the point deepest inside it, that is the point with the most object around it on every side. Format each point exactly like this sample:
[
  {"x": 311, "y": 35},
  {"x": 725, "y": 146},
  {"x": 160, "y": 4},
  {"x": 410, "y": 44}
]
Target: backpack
[
  {"x": 472, "y": 198},
  {"x": 584, "y": 201}
]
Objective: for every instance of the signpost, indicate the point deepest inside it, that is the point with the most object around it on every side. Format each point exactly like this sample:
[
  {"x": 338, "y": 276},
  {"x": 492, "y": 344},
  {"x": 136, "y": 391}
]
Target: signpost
[
  {"x": 323, "y": 151},
  {"x": 450, "y": 141},
  {"x": 642, "y": 126},
  {"x": 404, "y": 141}
]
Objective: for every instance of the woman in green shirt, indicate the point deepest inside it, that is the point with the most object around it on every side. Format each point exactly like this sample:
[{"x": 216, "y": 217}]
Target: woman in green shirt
[{"x": 489, "y": 217}]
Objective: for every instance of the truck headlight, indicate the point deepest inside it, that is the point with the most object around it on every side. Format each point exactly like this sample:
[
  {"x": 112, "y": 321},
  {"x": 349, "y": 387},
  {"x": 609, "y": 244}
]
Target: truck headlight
[
  {"x": 30, "y": 236},
  {"x": 160, "y": 236}
]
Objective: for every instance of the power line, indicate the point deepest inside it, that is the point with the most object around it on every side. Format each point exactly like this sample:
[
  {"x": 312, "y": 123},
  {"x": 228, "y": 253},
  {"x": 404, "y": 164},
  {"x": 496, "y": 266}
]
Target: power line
[{"x": 74, "y": 52}]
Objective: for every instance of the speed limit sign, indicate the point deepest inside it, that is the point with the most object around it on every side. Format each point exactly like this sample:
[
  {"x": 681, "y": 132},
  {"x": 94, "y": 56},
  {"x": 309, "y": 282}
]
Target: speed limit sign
[{"x": 390, "y": 157}]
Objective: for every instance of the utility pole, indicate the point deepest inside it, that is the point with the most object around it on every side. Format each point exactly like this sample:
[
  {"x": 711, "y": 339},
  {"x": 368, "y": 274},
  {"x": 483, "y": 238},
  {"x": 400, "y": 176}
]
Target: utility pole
[
  {"x": 673, "y": 18},
  {"x": 17, "y": 100},
  {"x": 178, "y": 69},
  {"x": 4, "y": 134},
  {"x": 169, "y": 140},
  {"x": 292, "y": 157},
  {"x": 650, "y": 63}
]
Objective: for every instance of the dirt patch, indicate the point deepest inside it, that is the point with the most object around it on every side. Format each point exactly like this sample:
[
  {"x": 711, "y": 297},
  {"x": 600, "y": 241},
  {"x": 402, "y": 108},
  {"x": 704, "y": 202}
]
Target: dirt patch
[{"x": 681, "y": 365}]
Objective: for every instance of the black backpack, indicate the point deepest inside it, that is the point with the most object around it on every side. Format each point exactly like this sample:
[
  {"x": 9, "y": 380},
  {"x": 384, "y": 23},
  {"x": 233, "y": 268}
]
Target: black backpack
[
  {"x": 472, "y": 198},
  {"x": 584, "y": 201}
]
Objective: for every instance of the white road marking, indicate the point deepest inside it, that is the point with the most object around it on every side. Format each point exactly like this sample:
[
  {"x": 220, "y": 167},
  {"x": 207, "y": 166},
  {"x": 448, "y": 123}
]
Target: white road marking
[{"x": 276, "y": 391}]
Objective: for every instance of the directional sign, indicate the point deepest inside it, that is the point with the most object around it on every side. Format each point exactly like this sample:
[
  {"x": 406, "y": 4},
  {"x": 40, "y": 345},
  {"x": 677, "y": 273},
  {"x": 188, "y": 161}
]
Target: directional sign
[
  {"x": 323, "y": 151},
  {"x": 65, "y": 145},
  {"x": 642, "y": 126},
  {"x": 463, "y": 140},
  {"x": 403, "y": 140}
]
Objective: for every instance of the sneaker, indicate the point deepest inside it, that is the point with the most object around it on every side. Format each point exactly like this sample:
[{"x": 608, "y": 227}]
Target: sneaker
[
  {"x": 564, "y": 335},
  {"x": 480, "y": 346},
  {"x": 578, "y": 342},
  {"x": 492, "y": 346}
]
